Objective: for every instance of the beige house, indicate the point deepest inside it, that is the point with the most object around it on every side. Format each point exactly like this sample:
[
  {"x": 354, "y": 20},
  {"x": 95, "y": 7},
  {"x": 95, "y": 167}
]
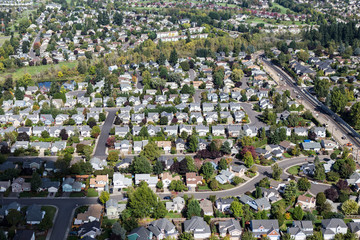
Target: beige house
[
  {"x": 165, "y": 145},
  {"x": 306, "y": 203},
  {"x": 92, "y": 214},
  {"x": 207, "y": 207},
  {"x": 167, "y": 177},
  {"x": 99, "y": 182}
]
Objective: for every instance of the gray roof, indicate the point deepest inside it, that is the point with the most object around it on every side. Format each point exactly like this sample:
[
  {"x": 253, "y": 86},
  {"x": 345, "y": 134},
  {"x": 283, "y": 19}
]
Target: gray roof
[
  {"x": 161, "y": 225},
  {"x": 228, "y": 226},
  {"x": 267, "y": 224},
  {"x": 34, "y": 213},
  {"x": 195, "y": 224},
  {"x": 333, "y": 223},
  {"x": 354, "y": 226}
]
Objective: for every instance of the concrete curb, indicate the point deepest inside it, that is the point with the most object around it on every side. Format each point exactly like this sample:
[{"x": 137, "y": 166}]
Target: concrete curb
[{"x": 54, "y": 220}]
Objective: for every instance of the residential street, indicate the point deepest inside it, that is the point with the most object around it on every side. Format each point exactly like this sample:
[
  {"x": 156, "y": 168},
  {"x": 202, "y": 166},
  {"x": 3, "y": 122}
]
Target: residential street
[
  {"x": 100, "y": 150},
  {"x": 66, "y": 206}
]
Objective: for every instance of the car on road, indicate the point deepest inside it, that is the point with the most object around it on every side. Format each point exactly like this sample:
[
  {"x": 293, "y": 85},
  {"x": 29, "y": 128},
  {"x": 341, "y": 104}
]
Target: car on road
[
  {"x": 313, "y": 182},
  {"x": 343, "y": 137}
]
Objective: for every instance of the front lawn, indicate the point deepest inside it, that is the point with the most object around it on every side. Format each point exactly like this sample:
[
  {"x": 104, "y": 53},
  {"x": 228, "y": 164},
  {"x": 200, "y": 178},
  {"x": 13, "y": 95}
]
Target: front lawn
[
  {"x": 294, "y": 170},
  {"x": 287, "y": 155},
  {"x": 77, "y": 194},
  {"x": 173, "y": 215},
  {"x": 204, "y": 187},
  {"x": 49, "y": 210},
  {"x": 33, "y": 194},
  {"x": 226, "y": 186},
  {"x": 92, "y": 193}
]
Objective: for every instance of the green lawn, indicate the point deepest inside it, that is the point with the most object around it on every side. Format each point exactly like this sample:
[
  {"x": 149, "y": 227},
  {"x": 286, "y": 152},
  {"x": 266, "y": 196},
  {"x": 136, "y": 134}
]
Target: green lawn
[
  {"x": 92, "y": 193},
  {"x": 105, "y": 221},
  {"x": 205, "y": 187},
  {"x": 50, "y": 210},
  {"x": 294, "y": 170},
  {"x": 173, "y": 215},
  {"x": 37, "y": 69},
  {"x": 283, "y": 9},
  {"x": 287, "y": 155},
  {"x": 33, "y": 194},
  {"x": 226, "y": 186},
  {"x": 77, "y": 194}
]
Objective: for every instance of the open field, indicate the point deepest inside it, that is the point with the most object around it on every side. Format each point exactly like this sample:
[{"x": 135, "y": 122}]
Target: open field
[{"x": 18, "y": 73}]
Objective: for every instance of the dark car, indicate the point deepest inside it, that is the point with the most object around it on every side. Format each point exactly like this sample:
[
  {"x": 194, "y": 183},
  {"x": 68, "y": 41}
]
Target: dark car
[{"x": 167, "y": 197}]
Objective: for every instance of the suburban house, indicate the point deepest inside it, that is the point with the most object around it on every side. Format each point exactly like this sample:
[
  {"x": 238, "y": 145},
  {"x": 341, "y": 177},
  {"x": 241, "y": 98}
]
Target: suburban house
[
  {"x": 4, "y": 185},
  {"x": 151, "y": 181},
  {"x": 223, "y": 204},
  {"x": 24, "y": 235},
  {"x": 99, "y": 182},
  {"x": 50, "y": 186},
  {"x": 70, "y": 185},
  {"x": 311, "y": 146},
  {"x": 354, "y": 227},
  {"x": 207, "y": 207},
  {"x": 230, "y": 227},
  {"x": 97, "y": 163},
  {"x": 113, "y": 209},
  {"x": 19, "y": 185},
  {"x": 333, "y": 226},
  {"x": 140, "y": 233},
  {"x": 198, "y": 227},
  {"x": 93, "y": 213},
  {"x": 120, "y": 181},
  {"x": 306, "y": 203},
  {"x": 269, "y": 228},
  {"x": 224, "y": 176},
  {"x": 163, "y": 228},
  {"x": 89, "y": 230},
  {"x": 34, "y": 214},
  {"x": 192, "y": 179},
  {"x": 301, "y": 229},
  {"x": 167, "y": 177},
  {"x": 177, "y": 204}
]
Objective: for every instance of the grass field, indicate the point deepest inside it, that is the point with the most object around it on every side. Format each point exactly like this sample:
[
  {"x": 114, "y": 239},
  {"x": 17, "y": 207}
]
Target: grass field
[
  {"x": 283, "y": 9},
  {"x": 50, "y": 210},
  {"x": 294, "y": 170},
  {"x": 92, "y": 193},
  {"x": 36, "y": 69},
  {"x": 173, "y": 215}
]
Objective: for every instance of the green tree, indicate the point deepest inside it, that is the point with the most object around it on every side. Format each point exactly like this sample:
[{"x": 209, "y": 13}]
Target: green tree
[
  {"x": 190, "y": 164},
  {"x": 319, "y": 173},
  {"x": 160, "y": 185},
  {"x": 151, "y": 151},
  {"x": 142, "y": 201},
  {"x": 118, "y": 19},
  {"x": 35, "y": 182},
  {"x": 290, "y": 192},
  {"x": 237, "y": 209},
  {"x": 158, "y": 167},
  {"x": 321, "y": 87},
  {"x": 13, "y": 217},
  {"x": 303, "y": 184},
  {"x": 225, "y": 148},
  {"x": 350, "y": 207},
  {"x": 146, "y": 77},
  {"x": 320, "y": 199},
  {"x": 276, "y": 171},
  {"x": 144, "y": 132},
  {"x": 303, "y": 55},
  {"x": 258, "y": 192},
  {"x": 193, "y": 208},
  {"x": 236, "y": 180},
  {"x": 355, "y": 115},
  {"x": 186, "y": 236},
  {"x": 118, "y": 230},
  {"x": 173, "y": 57},
  {"x": 298, "y": 213},
  {"x": 28, "y": 123},
  {"x": 193, "y": 143},
  {"x": 248, "y": 159},
  {"x": 248, "y": 235},
  {"x": 19, "y": 95},
  {"x": 159, "y": 211},
  {"x": 46, "y": 223},
  {"x": 113, "y": 156},
  {"x": 95, "y": 131},
  {"x": 104, "y": 197},
  {"x": 237, "y": 75},
  {"x": 214, "y": 185},
  {"x": 207, "y": 170},
  {"x": 338, "y": 100},
  {"x": 140, "y": 165},
  {"x": 177, "y": 186},
  {"x": 222, "y": 165}
]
